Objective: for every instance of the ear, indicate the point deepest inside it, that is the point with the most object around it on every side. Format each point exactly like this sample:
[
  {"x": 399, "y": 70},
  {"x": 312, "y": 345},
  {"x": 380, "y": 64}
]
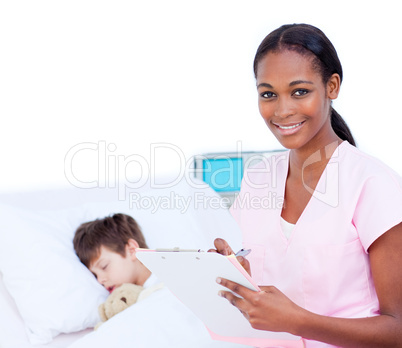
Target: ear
[
  {"x": 131, "y": 247},
  {"x": 333, "y": 86}
]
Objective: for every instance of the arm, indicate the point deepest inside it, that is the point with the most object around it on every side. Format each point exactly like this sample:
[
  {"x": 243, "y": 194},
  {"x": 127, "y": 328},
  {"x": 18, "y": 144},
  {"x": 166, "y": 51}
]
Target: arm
[{"x": 272, "y": 310}]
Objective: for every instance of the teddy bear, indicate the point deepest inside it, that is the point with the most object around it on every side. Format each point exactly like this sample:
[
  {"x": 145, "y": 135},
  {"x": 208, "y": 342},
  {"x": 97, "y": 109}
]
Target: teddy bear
[{"x": 123, "y": 297}]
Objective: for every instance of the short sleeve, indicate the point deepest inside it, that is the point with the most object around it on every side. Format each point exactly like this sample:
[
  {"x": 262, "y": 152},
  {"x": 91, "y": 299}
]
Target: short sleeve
[{"x": 379, "y": 207}]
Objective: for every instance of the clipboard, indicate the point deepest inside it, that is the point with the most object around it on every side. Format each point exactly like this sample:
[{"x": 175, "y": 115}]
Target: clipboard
[{"x": 191, "y": 276}]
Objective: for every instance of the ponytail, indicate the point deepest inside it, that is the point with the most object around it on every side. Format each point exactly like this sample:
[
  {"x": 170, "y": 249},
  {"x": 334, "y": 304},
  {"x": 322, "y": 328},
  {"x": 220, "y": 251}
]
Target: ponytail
[{"x": 341, "y": 128}]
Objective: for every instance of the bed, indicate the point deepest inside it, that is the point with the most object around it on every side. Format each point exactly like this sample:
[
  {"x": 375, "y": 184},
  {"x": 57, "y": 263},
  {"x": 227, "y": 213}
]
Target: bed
[{"x": 49, "y": 299}]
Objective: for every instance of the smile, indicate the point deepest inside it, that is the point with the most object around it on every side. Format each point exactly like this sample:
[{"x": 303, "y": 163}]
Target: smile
[{"x": 289, "y": 129}]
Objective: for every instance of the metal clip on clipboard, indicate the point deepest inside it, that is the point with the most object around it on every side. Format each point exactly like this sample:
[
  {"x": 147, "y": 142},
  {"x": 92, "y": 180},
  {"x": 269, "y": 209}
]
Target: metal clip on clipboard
[{"x": 177, "y": 249}]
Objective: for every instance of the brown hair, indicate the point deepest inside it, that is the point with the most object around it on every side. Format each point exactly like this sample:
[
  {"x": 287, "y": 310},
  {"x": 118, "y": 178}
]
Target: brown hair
[{"x": 112, "y": 232}]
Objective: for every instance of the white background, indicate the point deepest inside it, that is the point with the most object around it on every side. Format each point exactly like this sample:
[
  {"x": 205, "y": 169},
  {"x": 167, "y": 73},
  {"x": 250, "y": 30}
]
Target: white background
[{"x": 92, "y": 84}]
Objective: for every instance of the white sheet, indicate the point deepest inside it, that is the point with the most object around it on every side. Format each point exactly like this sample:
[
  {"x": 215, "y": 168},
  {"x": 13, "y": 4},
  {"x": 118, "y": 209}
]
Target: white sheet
[{"x": 158, "y": 321}]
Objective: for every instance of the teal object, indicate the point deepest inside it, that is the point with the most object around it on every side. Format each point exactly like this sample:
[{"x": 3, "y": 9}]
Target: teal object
[{"x": 223, "y": 174}]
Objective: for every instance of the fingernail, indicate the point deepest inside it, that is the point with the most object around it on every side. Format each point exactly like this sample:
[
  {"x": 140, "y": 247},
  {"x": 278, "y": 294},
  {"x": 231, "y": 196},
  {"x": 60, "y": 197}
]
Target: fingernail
[
  {"x": 219, "y": 280},
  {"x": 240, "y": 258},
  {"x": 220, "y": 293}
]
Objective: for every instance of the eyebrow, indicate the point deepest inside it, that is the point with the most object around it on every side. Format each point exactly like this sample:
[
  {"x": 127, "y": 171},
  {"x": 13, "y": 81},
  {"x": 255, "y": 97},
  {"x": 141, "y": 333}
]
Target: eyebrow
[
  {"x": 293, "y": 83},
  {"x": 299, "y": 82}
]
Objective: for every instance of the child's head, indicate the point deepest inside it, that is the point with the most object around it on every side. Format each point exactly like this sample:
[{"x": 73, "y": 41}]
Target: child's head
[
  {"x": 107, "y": 248},
  {"x": 112, "y": 232}
]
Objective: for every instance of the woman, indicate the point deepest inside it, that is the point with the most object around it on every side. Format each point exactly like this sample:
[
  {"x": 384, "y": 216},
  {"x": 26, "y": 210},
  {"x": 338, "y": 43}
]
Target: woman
[{"x": 330, "y": 256}]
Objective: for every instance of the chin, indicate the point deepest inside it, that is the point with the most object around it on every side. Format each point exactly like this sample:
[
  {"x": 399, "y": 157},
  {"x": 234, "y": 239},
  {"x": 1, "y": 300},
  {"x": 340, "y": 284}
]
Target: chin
[{"x": 290, "y": 144}]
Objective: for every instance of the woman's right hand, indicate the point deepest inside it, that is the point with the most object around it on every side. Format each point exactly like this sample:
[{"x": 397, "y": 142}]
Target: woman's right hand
[{"x": 223, "y": 248}]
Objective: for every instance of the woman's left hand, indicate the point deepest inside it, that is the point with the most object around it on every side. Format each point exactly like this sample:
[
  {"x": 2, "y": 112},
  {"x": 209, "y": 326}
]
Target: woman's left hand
[{"x": 268, "y": 309}]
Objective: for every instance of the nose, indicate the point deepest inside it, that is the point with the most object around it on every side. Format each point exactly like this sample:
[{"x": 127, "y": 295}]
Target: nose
[
  {"x": 102, "y": 279},
  {"x": 284, "y": 108}
]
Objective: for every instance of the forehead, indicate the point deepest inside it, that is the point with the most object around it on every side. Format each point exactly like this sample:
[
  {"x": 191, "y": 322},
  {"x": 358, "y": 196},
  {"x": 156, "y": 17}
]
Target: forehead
[{"x": 286, "y": 66}]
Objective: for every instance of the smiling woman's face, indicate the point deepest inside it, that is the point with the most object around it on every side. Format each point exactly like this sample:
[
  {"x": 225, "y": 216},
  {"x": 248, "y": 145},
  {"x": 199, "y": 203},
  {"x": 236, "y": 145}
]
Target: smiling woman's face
[{"x": 294, "y": 101}]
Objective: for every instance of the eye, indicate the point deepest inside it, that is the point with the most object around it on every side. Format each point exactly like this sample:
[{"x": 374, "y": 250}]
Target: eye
[
  {"x": 300, "y": 92},
  {"x": 267, "y": 95},
  {"x": 104, "y": 267}
]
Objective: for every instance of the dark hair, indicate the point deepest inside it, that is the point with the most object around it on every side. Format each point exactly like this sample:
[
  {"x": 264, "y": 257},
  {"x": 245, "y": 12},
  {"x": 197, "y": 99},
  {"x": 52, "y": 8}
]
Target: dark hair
[
  {"x": 306, "y": 40},
  {"x": 112, "y": 232}
]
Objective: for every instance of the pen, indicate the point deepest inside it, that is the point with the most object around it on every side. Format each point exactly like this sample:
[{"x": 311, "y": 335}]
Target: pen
[{"x": 243, "y": 252}]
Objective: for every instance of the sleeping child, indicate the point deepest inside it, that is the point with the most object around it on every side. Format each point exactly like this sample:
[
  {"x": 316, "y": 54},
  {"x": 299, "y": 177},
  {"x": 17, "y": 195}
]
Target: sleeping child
[{"x": 107, "y": 247}]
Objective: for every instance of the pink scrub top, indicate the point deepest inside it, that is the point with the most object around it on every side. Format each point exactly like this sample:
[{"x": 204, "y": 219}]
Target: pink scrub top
[{"x": 323, "y": 266}]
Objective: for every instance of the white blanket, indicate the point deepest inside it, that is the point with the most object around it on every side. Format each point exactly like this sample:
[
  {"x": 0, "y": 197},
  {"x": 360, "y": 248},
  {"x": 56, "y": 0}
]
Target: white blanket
[{"x": 160, "y": 320}]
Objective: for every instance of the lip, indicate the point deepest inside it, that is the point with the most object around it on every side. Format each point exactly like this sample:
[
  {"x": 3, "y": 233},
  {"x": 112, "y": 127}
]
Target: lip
[
  {"x": 110, "y": 289},
  {"x": 288, "y": 128}
]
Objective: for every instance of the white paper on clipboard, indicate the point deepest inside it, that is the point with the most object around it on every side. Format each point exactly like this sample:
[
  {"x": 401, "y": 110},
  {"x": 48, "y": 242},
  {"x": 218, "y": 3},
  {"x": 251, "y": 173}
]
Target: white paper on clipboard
[{"x": 191, "y": 276}]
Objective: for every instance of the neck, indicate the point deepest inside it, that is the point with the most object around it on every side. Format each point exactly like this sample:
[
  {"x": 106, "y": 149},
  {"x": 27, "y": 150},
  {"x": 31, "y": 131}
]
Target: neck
[{"x": 313, "y": 157}]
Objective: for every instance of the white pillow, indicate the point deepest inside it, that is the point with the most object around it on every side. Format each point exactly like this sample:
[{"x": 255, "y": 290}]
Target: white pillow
[{"x": 53, "y": 291}]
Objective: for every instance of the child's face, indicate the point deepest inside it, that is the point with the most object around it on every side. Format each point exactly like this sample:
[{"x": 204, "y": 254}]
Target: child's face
[{"x": 112, "y": 270}]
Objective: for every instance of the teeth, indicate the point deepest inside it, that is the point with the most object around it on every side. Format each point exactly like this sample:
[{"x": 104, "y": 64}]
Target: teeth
[{"x": 290, "y": 127}]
